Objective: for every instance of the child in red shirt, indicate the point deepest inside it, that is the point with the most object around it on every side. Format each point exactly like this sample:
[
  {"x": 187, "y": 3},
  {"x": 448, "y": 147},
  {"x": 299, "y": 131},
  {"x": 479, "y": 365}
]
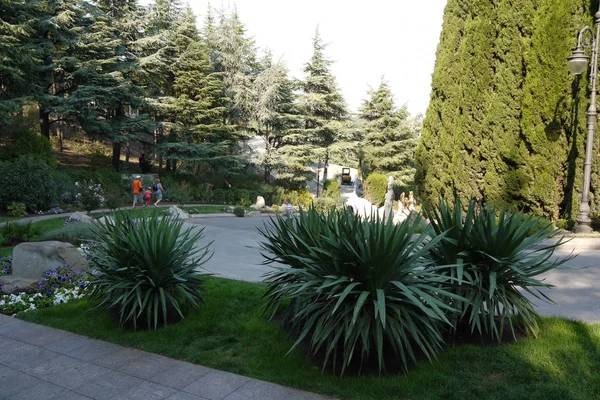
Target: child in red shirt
[{"x": 148, "y": 196}]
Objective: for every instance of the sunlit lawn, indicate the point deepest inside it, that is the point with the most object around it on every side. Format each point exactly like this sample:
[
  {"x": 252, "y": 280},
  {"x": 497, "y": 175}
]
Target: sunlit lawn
[{"x": 230, "y": 333}]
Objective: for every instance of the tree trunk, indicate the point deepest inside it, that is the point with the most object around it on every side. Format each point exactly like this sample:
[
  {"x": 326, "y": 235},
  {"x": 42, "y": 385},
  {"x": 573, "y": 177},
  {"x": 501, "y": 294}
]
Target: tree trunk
[
  {"x": 267, "y": 174},
  {"x": 325, "y": 166},
  {"x": 60, "y": 134},
  {"x": 127, "y": 151},
  {"x": 44, "y": 123},
  {"x": 116, "y": 156}
]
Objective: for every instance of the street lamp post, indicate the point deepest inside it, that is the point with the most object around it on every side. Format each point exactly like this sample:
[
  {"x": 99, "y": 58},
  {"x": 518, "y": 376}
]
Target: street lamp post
[{"x": 577, "y": 65}]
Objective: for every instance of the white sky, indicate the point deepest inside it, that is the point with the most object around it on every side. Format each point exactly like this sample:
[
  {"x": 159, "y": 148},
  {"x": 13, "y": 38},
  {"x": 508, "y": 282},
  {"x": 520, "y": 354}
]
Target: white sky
[{"x": 367, "y": 39}]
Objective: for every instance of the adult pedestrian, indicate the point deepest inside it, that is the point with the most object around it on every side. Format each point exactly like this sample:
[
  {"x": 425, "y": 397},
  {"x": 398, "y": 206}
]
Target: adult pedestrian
[
  {"x": 158, "y": 190},
  {"x": 138, "y": 189}
]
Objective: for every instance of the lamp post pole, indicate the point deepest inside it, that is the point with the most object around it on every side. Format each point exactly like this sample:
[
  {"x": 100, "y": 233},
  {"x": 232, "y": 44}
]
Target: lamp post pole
[{"x": 577, "y": 63}]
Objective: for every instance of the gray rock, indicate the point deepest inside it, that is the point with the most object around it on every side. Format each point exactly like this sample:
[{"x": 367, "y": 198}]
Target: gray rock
[
  {"x": 81, "y": 216},
  {"x": 260, "y": 203},
  {"x": 32, "y": 259},
  {"x": 177, "y": 212},
  {"x": 230, "y": 209}
]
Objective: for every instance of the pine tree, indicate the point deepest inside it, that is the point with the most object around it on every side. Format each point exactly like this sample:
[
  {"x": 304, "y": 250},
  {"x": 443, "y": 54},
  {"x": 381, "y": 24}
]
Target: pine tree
[
  {"x": 389, "y": 137},
  {"x": 322, "y": 107}
]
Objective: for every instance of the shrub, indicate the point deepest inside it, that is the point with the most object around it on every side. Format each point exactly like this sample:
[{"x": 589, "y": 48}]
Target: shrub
[
  {"x": 90, "y": 195},
  {"x": 273, "y": 194},
  {"x": 66, "y": 191},
  {"x": 74, "y": 233},
  {"x": 146, "y": 269},
  {"x": 113, "y": 199},
  {"x": 490, "y": 254},
  {"x": 17, "y": 209},
  {"x": 223, "y": 196},
  {"x": 28, "y": 181},
  {"x": 353, "y": 297},
  {"x": 305, "y": 199},
  {"x": 325, "y": 204},
  {"x": 13, "y": 233},
  {"x": 331, "y": 189},
  {"x": 180, "y": 193},
  {"x": 27, "y": 142},
  {"x": 239, "y": 211},
  {"x": 561, "y": 224},
  {"x": 375, "y": 188}
]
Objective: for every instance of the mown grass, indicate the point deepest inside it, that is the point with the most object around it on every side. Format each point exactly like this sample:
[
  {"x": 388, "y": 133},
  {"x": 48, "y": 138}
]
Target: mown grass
[{"x": 229, "y": 332}]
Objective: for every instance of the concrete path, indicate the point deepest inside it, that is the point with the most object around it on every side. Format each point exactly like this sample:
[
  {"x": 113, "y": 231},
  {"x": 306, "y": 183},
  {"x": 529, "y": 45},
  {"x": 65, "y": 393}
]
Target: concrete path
[
  {"x": 576, "y": 292},
  {"x": 41, "y": 363}
]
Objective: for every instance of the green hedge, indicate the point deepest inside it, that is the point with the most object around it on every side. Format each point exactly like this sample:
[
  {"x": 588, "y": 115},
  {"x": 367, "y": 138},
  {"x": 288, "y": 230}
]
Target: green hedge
[{"x": 375, "y": 188}]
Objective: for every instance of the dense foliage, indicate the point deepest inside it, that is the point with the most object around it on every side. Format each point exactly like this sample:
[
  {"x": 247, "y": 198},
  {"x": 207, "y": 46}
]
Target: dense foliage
[
  {"x": 29, "y": 181},
  {"x": 390, "y": 137},
  {"x": 493, "y": 257},
  {"x": 355, "y": 290},
  {"x": 506, "y": 120},
  {"x": 375, "y": 188},
  {"x": 146, "y": 269}
]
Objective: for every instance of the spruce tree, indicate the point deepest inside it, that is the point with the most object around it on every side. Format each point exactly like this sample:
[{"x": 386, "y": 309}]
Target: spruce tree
[
  {"x": 322, "y": 107},
  {"x": 389, "y": 137}
]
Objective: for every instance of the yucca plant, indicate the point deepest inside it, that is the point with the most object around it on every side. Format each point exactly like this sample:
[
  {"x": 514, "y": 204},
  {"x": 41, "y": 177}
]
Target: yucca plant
[
  {"x": 355, "y": 289},
  {"x": 492, "y": 255},
  {"x": 146, "y": 269}
]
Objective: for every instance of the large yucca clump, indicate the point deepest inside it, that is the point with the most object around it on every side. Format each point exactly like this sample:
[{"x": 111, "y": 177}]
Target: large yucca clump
[
  {"x": 493, "y": 256},
  {"x": 146, "y": 269},
  {"x": 356, "y": 289}
]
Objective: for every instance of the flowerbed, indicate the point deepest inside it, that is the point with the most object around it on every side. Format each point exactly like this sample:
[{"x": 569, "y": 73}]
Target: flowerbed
[{"x": 58, "y": 286}]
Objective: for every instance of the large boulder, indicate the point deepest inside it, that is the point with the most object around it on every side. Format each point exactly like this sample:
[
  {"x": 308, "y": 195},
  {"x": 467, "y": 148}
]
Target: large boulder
[
  {"x": 32, "y": 259},
  {"x": 177, "y": 212},
  {"x": 80, "y": 217},
  {"x": 260, "y": 203}
]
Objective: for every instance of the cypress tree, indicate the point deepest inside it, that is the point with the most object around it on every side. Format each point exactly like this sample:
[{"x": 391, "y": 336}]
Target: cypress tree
[
  {"x": 553, "y": 120},
  {"x": 502, "y": 123}
]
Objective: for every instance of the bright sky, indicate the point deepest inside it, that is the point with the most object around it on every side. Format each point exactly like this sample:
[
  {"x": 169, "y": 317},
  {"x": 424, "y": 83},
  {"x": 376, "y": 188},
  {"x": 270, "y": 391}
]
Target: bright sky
[{"x": 367, "y": 39}]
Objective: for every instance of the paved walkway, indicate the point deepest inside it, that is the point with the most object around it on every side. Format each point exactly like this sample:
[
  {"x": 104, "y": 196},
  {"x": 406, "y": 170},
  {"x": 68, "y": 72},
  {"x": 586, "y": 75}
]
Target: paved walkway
[{"x": 41, "y": 363}]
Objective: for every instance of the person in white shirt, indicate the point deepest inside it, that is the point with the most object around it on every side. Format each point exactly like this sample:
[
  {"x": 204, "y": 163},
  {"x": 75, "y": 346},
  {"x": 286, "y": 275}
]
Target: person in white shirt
[{"x": 289, "y": 209}]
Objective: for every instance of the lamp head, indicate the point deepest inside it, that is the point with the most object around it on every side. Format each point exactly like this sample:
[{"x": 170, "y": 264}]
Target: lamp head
[{"x": 578, "y": 61}]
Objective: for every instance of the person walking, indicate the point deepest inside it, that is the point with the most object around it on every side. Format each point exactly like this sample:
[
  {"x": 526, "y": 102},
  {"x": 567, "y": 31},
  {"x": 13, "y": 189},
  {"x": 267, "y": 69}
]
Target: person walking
[
  {"x": 289, "y": 209},
  {"x": 159, "y": 190},
  {"x": 138, "y": 190},
  {"x": 148, "y": 197}
]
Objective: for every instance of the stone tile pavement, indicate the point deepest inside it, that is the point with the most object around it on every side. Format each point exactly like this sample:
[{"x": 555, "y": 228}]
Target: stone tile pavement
[{"x": 42, "y": 363}]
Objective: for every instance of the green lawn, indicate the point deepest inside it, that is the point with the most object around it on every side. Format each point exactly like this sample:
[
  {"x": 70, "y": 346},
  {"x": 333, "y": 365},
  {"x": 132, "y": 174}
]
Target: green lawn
[{"x": 230, "y": 333}]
